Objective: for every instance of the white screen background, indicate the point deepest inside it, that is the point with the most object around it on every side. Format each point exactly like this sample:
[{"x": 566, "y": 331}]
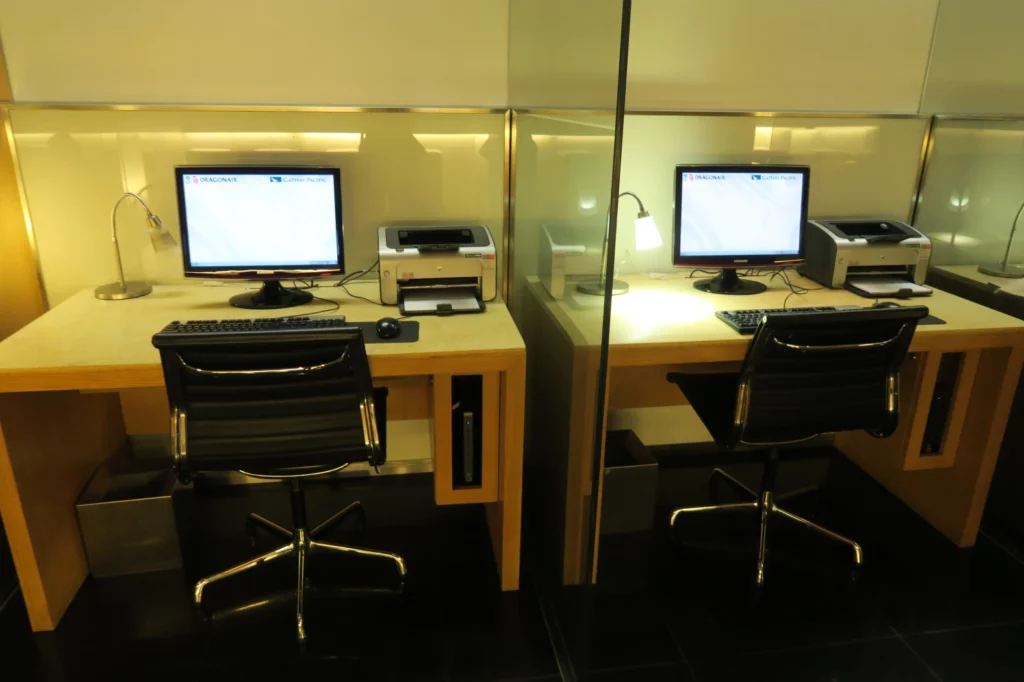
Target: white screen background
[
  {"x": 255, "y": 221},
  {"x": 740, "y": 215}
]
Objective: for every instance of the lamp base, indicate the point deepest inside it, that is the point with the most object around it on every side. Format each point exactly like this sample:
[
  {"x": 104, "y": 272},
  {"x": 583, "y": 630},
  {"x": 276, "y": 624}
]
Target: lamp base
[
  {"x": 596, "y": 287},
  {"x": 998, "y": 270},
  {"x": 115, "y": 292}
]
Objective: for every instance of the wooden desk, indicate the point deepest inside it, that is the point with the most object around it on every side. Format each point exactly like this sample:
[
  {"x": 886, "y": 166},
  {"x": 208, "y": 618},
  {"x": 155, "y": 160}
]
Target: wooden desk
[
  {"x": 63, "y": 376},
  {"x": 665, "y": 324}
]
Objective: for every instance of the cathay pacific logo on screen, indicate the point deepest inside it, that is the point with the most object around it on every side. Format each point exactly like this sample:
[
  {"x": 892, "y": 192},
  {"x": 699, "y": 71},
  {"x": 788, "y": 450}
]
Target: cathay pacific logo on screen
[{"x": 298, "y": 178}]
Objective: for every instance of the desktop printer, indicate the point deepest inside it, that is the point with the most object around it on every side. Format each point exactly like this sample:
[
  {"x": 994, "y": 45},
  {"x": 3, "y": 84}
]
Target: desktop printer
[
  {"x": 439, "y": 270},
  {"x": 566, "y": 252},
  {"x": 871, "y": 257}
]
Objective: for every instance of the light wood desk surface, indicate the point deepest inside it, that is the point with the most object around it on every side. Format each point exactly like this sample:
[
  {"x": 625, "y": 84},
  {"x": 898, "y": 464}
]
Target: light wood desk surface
[
  {"x": 1005, "y": 285},
  {"x": 664, "y": 324},
  {"x": 61, "y": 413},
  {"x": 660, "y": 318},
  {"x": 88, "y": 343}
]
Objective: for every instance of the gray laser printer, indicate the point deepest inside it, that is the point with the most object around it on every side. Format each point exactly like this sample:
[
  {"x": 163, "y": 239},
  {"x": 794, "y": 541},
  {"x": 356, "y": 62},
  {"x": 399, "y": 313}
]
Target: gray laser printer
[
  {"x": 437, "y": 269},
  {"x": 568, "y": 253},
  {"x": 872, "y": 257}
]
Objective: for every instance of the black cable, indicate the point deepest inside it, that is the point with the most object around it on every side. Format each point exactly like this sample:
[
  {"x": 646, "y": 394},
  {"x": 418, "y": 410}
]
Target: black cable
[
  {"x": 361, "y": 298},
  {"x": 794, "y": 289},
  {"x": 334, "y": 306},
  {"x": 312, "y": 285},
  {"x": 356, "y": 275}
]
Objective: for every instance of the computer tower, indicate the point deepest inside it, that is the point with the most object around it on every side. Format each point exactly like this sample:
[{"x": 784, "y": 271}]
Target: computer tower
[{"x": 467, "y": 430}]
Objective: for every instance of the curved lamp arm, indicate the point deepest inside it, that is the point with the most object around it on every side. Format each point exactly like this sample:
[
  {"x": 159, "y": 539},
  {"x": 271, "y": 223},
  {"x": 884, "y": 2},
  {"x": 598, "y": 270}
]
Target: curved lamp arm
[
  {"x": 151, "y": 218},
  {"x": 607, "y": 228}
]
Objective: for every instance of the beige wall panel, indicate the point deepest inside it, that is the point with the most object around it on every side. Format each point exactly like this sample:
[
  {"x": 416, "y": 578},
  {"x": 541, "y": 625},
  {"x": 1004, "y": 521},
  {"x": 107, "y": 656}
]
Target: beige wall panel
[
  {"x": 977, "y": 64},
  {"x": 358, "y": 52},
  {"x": 787, "y": 55},
  {"x": 395, "y": 167},
  {"x": 22, "y": 301},
  {"x": 859, "y": 166}
]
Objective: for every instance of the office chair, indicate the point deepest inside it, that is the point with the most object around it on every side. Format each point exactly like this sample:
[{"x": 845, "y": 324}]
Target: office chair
[
  {"x": 278, "y": 406},
  {"x": 803, "y": 376}
]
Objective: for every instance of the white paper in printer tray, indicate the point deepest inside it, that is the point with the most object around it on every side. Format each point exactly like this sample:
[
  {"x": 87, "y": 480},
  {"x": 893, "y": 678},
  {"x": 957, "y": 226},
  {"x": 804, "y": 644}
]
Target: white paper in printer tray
[
  {"x": 882, "y": 286},
  {"x": 426, "y": 300}
]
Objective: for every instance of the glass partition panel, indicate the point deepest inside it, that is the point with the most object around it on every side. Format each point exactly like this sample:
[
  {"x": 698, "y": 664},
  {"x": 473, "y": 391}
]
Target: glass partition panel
[
  {"x": 860, "y": 166},
  {"x": 975, "y": 62},
  {"x": 564, "y": 64},
  {"x": 973, "y": 190},
  {"x": 395, "y": 167}
]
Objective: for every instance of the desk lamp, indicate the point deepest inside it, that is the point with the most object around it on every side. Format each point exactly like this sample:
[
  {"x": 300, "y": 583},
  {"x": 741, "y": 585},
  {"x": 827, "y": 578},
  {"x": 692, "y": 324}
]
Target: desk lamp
[
  {"x": 1004, "y": 269},
  {"x": 647, "y": 237},
  {"x": 162, "y": 240}
]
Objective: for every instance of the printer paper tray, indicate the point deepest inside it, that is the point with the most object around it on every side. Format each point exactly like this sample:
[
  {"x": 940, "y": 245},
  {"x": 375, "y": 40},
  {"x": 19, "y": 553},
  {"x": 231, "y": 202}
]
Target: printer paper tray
[
  {"x": 885, "y": 287},
  {"x": 439, "y": 301}
]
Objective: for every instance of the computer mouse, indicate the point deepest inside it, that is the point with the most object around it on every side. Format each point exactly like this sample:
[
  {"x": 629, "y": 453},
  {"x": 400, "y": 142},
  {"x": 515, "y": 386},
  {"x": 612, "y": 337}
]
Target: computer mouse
[
  {"x": 880, "y": 304},
  {"x": 388, "y": 328}
]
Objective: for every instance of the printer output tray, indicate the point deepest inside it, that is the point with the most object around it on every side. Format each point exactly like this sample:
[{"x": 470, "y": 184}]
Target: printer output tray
[{"x": 440, "y": 301}]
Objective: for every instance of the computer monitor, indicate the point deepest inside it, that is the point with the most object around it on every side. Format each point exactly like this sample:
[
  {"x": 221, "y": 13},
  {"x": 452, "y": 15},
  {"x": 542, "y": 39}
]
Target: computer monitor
[
  {"x": 738, "y": 217},
  {"x": 264, "y": 223}
]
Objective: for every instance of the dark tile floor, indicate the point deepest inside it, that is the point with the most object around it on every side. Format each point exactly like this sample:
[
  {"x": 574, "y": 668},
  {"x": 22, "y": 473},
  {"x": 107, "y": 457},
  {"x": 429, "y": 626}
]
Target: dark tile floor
[
  {"x": 450, "y": 621},
  {"x": 671, "y": 604},
  {"x": 920, "y": 609}
]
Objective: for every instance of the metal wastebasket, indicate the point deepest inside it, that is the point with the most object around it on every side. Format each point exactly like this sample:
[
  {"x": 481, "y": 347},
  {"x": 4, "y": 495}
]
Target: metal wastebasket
[{"x": 127, "y": 519}]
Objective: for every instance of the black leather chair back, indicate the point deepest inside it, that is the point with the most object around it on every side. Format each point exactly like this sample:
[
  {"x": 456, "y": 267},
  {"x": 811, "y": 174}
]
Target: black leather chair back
[
  {"x": 272, "y": 404},
  {"x": 817, "y": 373}
]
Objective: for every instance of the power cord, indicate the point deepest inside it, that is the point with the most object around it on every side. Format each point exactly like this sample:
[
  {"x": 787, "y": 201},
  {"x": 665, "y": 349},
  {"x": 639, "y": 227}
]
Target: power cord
[
  {"x": 312, "y": 285},
  {"x": 357, "y": 275},
  {"x": 794, "y": 289}
]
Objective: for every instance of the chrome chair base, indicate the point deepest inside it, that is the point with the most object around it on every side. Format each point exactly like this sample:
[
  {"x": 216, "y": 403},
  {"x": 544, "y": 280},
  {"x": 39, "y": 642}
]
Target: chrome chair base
[
  {"x": 302, "y": 544},
  {"x": 764, "y": 503}
]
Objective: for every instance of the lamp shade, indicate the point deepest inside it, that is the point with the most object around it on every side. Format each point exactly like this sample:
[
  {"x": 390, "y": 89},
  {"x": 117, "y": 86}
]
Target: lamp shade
[{"x": 647, "y": 235}]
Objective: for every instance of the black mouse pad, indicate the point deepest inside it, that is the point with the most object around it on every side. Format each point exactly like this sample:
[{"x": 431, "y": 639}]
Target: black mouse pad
[{"x": 410, "y": 332}]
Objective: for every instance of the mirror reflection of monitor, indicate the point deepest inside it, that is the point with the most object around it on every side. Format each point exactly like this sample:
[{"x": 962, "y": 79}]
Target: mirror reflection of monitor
[
  {"x": 738, "y": 217},
  {"x": 264, "y": 223}
]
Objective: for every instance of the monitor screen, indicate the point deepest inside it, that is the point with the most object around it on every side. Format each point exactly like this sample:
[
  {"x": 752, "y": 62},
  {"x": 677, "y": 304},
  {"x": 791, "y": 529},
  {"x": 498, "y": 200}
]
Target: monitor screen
[
  {"x": 739, "y": 215},
  {"x": 248, "y": 218}
]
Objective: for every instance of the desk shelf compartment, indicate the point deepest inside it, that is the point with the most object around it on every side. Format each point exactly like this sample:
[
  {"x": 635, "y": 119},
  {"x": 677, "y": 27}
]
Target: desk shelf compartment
[{"x": 463, "y": 405}]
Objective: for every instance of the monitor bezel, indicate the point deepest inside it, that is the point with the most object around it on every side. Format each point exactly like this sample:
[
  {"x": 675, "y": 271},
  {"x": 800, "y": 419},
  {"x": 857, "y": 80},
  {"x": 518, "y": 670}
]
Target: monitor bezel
[
  {"x": 260, "y": 272},
  {"x": 738, "y": 260}
]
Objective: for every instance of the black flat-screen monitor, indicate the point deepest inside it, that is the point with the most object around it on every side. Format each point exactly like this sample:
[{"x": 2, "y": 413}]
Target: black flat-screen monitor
[
  {"x": 738, "y": 217},
  {"x": 266, "y": 223}
]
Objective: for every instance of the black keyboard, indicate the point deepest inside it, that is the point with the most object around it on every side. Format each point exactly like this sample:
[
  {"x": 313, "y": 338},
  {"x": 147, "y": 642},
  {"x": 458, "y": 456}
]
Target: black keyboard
[
  {"x": 194, "y": 329},
  {"x": 746, "y": 321}
]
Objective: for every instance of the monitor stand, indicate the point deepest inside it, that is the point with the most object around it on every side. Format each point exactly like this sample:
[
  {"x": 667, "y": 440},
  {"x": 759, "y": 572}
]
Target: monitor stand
[
  {"x": 728, "y": 282},
  {"x": 271, "y": 295}
]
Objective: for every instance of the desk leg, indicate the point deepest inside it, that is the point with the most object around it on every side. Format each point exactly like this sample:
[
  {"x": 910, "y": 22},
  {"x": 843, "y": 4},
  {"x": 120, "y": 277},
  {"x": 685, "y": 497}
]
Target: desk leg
[
  {"x": 50, "y": 446},
  {"x": 952, "y": 498},
  {"x": 505, "y": 516}
]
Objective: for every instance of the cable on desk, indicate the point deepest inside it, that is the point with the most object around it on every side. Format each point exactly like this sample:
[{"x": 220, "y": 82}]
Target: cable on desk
[
  {"x": 794, "y": 289},
  {"x": 361, "y": 298},
  {"x": 356, "y": 275},
  {"x": 312, "y": 285}
]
